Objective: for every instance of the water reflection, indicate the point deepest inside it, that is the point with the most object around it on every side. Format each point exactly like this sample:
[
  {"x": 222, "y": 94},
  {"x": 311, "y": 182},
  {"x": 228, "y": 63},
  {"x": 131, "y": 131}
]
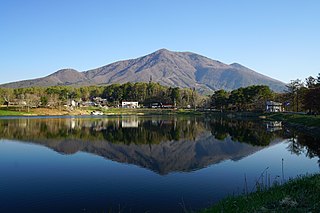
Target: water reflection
[
  {"x": 302, "y": 143},
  {"x": 163, "y": 145},
  {"x": 244, "y": 131},
  {"x": 273, "y": 126},
  {"x": 195, "y": 160}
]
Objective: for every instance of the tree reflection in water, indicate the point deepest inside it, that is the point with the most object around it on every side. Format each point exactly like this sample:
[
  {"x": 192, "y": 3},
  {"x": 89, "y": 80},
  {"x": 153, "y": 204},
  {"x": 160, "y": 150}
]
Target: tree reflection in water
[{"x": 180, "y": 137}]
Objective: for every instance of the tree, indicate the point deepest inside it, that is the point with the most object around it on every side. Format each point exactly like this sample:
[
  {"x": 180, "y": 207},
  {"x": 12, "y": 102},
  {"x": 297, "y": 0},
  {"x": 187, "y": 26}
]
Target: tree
[
  {"x": 44, "y": 101},
  {"x": 311, "y": 82},
  {"x": 84, "y": 93},
  {"x": 260, "y": 94},
  {"x": 175, "y": 95},
  {"x": 7, "y": 95},
  {"x": 219, "y": 99},
  {"x": 32, "y": 100},
  {"x": 237, "y": 99},
  {"x": 185, "y": 97},
  {"x": 141, "y": 91},
  {"x": 293, "y": 93},
  {"x": 311, "y": 95}
]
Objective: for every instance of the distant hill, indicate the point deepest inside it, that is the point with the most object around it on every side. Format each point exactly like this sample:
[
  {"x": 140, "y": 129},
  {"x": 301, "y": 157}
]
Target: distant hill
[{"x": 175, "y": 69}]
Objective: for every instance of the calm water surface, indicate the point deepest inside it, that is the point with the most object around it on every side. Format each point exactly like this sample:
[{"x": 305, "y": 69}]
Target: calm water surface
[{"x": 142, "y": 164}]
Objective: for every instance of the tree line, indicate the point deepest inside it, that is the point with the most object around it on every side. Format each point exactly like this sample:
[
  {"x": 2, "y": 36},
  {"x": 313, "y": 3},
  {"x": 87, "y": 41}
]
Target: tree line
[
  {"x": 251, "y": 98},
  {"x": 303, "y": 96},
  {"x": 299, "y": 96},
  {"x": 144, "y": 93}
]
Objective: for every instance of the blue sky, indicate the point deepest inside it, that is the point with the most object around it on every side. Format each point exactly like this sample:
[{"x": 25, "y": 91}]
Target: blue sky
[{"x": 280, "y": 39}]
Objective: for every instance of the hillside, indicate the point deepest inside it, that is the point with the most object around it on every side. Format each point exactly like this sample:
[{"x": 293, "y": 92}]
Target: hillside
[{"x": 175, "y": 69}]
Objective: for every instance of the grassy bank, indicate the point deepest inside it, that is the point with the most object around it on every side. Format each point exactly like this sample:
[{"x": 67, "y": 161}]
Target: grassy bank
[
  {"x": 298, "y": 195},
  {"x": 11, "y": 111},
  {"x": 302, "y": 119},
  {"x": 4, "y": 112}
]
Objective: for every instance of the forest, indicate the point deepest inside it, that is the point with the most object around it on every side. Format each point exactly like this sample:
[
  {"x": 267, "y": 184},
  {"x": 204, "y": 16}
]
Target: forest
[{"x": 56, "y": 96}]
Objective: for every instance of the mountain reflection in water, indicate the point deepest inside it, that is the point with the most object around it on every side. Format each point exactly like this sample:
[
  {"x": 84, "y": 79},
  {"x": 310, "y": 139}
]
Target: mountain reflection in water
[{"x": 163, "y": 145}]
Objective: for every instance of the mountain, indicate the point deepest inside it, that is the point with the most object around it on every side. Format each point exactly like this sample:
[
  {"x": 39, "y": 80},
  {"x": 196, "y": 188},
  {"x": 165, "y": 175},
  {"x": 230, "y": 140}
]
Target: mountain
[
  {"x": 175, "y": 69},
  {"x": 163, "y": 158}
]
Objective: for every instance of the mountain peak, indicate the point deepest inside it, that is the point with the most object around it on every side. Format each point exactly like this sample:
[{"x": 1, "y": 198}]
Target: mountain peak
[
  {"x": 163, "y": 50},
  {"x": 66, "y": 70},
  {"x": 236, "y": 65}
]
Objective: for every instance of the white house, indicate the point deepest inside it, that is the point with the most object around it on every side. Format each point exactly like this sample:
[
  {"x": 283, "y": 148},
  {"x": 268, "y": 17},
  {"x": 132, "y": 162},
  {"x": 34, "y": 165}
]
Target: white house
[
  {"x": 130, "y": 104},
  {"x": 272, "y": 106}
]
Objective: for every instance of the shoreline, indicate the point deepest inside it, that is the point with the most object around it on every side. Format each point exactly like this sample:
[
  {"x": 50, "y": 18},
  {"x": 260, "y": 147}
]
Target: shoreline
[
  {"x": 299, "y": 122},
  {"x": 302, "y": 121},
  {"x": 87, "y": 111}
]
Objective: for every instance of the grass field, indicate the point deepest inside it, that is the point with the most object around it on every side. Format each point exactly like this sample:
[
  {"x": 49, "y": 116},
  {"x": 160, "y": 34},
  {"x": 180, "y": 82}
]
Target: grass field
[
  {"x": 11, "y": 113},
  {"x": 298, "y": 195}
]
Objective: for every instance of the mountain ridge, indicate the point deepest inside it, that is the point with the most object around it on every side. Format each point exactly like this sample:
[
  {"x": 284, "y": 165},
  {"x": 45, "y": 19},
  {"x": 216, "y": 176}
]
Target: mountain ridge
[{"x": 175, "y": 69}]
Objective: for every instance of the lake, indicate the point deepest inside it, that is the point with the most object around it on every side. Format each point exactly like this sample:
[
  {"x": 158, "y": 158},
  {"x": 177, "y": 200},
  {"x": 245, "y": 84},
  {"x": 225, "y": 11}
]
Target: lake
[{"x": 143, "y": 163}]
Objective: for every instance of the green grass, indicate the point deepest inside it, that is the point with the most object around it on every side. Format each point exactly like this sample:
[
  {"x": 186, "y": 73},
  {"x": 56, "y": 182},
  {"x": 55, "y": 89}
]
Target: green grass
[
  {"x": 307, "y": 120},
  {"x": 11, "y": 113},
  {"x": 298, "y": 195}
]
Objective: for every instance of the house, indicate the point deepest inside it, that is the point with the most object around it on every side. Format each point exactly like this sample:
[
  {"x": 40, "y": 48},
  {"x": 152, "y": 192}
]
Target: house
[
  {"x": 100, "y": 101},
  {"x": 130, "y": 104},
  {"x": 272, "y": 106}
]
